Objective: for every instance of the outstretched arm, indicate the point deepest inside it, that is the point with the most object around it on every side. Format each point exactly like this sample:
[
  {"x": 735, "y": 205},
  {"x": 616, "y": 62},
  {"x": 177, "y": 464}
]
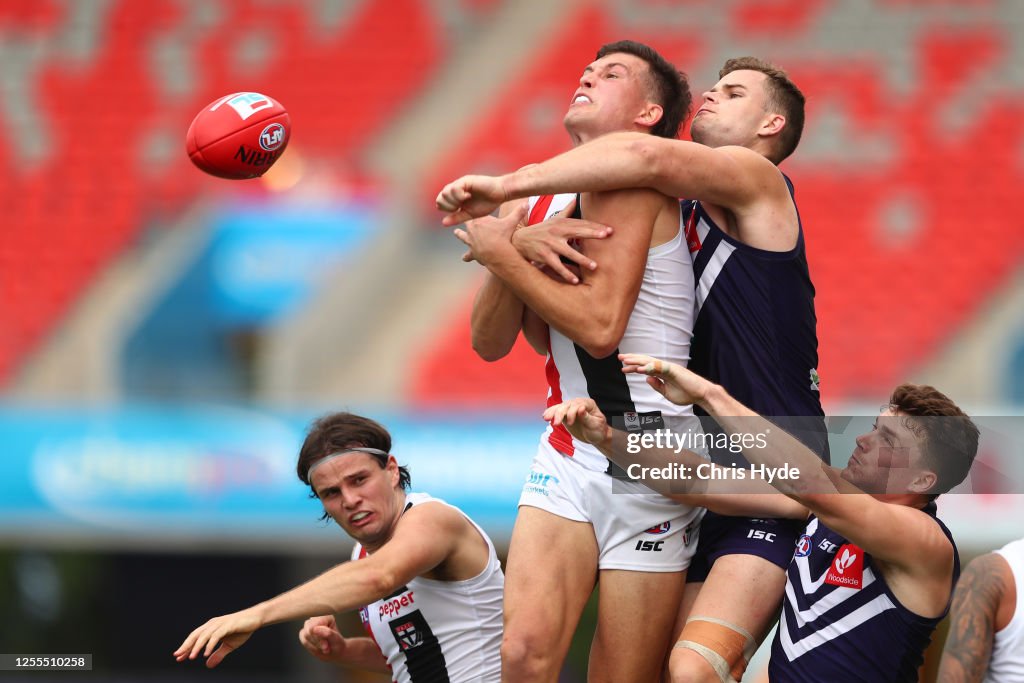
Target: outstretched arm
[
  {"x": 973, "y": 620},
  {"x": 732, "y": 177},
  {"x": 701, "y": 483},
  {"x": 426, "y": 535},
  {"x": 896, "y": 534}
]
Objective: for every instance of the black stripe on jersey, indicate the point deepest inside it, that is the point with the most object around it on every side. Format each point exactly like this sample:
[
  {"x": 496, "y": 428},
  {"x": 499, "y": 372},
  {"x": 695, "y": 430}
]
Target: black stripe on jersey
[
  {"x": 397, "y": 593},
  {"x": 422, "y": 650}
]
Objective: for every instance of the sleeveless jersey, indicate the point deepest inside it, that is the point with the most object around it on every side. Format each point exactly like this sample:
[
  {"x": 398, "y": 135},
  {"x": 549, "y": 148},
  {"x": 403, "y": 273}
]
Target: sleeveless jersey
[
  {"x": 1007, "y": 662},
  {"x": 755, "y": 328},
  {"x": 840, "y": 622},
  {"x": 659, "y": 325},
  {"x": 440, "y": 631}
]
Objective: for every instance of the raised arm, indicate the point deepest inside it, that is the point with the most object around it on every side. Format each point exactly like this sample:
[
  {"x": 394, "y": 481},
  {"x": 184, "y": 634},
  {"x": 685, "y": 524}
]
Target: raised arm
[
  {"x": 732, "y": 177},
  {"x": 498, "y": 313},
  {"x": 978, "y": 612},
  {"x": 424, "y": 538}
]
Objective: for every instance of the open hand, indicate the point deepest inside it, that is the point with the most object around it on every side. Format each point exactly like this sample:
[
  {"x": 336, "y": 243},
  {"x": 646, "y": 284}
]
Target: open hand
[
  {"x": 229, "y": 632},
  {"x": 582, "y": 418},
  {"x": 674, "y": 382}
]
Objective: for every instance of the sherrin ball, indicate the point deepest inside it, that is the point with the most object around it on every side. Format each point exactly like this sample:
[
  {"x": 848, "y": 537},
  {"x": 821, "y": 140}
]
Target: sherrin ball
[{"x": 239, "y": 135}]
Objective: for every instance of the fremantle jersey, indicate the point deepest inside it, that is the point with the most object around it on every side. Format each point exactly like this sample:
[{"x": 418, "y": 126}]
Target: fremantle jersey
[
  {"x": 1007, "y": 662},
  {"x": 840, "y": 622},
  {"x": 659, "y": 325},
  {"x": 755, "y": 327},
  {"x": 440, "y": 631}
]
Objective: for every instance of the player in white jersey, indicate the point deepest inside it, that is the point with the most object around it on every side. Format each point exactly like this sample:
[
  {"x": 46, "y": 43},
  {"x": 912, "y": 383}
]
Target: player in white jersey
[
  {"x": 572, "y": 529},
  {"x": 427, "y": 579},
  {"x": 986, "y": 626},
  {"x": 754, "y": 331}
]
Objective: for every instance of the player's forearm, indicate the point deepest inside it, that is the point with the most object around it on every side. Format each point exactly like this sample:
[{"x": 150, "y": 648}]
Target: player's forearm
[
  {"x": 770, "y": 446},
  {"x": 362, "y": 653},
  {"x": 340, "y": 589},
  {"x": 611, "y": 162},
  {"x": 496, "y": 319},
  {"x": 688, "y": 478},
  {"x": 574, "y": 310}
]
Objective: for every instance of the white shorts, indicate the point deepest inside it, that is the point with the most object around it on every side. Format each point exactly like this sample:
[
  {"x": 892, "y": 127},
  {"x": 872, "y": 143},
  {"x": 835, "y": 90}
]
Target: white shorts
[{"x": 636, "y": 528}]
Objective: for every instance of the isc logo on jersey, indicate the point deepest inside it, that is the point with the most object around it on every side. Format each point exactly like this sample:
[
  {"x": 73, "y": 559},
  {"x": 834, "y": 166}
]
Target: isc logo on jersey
[{"x": 803, "y": 546}]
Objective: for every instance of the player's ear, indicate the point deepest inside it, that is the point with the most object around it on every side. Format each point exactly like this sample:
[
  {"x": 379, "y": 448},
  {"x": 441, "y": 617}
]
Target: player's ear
[
  {"x": 773, "y": 124},
  {"x": 391, "y": 467},
  {"x": 923, "y": 482},
  {"x": 650, "y": 115}
]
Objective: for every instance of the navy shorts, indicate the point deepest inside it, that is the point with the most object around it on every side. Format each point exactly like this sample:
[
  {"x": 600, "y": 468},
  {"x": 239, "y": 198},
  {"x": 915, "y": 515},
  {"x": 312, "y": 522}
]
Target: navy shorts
[{"x": 771, "y": 539}]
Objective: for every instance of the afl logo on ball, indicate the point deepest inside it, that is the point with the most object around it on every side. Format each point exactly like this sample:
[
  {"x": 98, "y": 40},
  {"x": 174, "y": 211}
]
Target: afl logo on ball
[{"x": 272, "y": 137}]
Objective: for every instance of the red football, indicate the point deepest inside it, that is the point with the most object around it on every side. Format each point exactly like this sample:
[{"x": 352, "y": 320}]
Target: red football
[{"x": 239, "y": 135}]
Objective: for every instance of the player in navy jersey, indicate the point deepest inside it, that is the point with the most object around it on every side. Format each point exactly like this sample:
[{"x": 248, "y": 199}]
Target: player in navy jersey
[
  {"x": 426, "y": 577},
  {"x": 874, "y": 570},
  {"x": 755, "y": 328}
]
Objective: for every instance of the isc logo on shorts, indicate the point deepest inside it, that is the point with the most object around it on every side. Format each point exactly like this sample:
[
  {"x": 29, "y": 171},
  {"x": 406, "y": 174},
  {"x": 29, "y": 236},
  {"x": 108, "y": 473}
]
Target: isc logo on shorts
[{"x": 649, "y": 546}]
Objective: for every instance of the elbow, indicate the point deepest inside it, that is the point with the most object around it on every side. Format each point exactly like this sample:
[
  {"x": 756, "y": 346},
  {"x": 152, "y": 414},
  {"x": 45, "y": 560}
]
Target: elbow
[
  {"x": 601, "y": 343},
  {"x": 488, "y": 350}
]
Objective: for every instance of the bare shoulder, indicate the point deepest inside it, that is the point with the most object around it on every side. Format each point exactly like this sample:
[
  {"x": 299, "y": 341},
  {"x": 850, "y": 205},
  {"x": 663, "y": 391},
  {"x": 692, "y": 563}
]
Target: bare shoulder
[
  {"x": 436, "y": 516},
  {"x": 986, "y": 577},
  {"x": 763, "y": 214}
]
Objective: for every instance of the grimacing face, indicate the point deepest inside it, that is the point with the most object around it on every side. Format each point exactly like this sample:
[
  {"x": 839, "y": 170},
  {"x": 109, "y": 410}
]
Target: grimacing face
[
  {"x": 733, "y": 111},
  {"x": 612, "y": 96},
  {"x": 889, "y": 458},
  {"x": 361, "y": 496}
]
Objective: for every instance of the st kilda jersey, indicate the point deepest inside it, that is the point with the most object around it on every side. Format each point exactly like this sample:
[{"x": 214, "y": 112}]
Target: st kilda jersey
[
  {"x": 440, "y": 631},
  {"x": 660, "y": 325},
  {"x": 840, "y": 622}
]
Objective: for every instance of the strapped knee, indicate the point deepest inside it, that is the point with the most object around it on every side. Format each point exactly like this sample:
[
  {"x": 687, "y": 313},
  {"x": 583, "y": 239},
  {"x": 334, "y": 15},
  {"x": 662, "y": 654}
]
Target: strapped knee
[{"x": 726, "y": 647}]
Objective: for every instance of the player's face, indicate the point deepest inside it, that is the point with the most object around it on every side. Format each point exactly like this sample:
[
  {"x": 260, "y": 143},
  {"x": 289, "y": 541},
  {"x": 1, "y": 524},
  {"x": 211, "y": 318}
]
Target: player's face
[
  {"x": 733, "y": 111},
  {"x": 888, "y": 458},
  {"x": 360, "y": 496},
  {"x": 612, "y": 97}
]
